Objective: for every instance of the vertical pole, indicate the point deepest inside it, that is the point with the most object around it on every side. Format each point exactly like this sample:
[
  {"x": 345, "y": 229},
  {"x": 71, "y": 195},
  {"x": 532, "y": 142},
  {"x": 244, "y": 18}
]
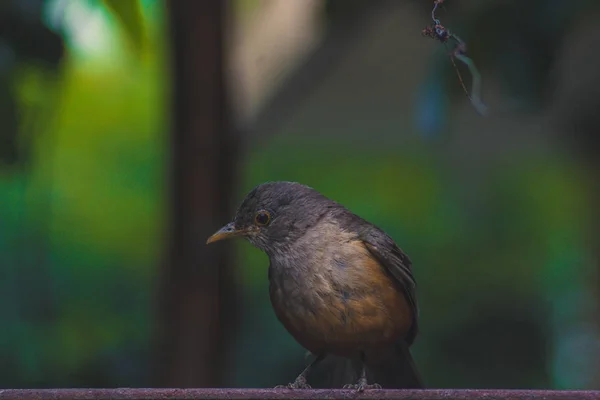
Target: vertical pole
[{"x": 195, "y": 282}]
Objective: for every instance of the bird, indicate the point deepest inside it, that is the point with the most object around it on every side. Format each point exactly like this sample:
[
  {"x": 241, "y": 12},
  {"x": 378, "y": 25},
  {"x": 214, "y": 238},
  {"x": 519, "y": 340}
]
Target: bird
[{"x": 339, "y": 285}]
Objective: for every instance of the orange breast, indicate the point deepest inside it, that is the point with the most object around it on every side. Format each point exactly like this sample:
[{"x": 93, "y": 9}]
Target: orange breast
[{"x": 345, "y": 307}]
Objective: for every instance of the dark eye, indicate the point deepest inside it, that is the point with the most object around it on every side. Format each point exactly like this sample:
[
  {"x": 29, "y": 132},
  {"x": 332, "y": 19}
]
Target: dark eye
[{"x": 262, "y": 218}]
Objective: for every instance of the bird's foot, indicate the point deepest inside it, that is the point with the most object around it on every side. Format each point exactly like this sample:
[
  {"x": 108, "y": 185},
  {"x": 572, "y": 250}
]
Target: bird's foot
[
  {"x": 299, "y": 383},
  {"x": 362, "y": 385}
]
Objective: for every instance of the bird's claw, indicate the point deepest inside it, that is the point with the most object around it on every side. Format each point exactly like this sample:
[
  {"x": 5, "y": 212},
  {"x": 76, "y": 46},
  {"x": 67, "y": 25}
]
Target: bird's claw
[
  {"x": 362, "y": 385},
  {"x": 299, "y": 383}
]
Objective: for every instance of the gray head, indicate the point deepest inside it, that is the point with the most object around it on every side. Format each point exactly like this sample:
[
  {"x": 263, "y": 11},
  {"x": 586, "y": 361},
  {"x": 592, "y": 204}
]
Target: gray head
[{"x": 274, "y": 214}]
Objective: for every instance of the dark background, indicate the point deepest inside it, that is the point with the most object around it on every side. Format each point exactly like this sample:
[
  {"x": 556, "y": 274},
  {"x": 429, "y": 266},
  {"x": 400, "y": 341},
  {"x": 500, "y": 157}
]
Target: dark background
[{"x": 129, "y": 131}]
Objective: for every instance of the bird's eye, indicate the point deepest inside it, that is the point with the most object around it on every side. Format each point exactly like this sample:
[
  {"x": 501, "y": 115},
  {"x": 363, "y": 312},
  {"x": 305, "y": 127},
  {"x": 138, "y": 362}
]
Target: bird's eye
[{"x": 262, "y": 218}]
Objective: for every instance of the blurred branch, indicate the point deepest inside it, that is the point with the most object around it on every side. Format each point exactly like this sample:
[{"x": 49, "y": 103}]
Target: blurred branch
[
  {"x": 435, "y": 394},
  {"x": 196, "y": 284}
]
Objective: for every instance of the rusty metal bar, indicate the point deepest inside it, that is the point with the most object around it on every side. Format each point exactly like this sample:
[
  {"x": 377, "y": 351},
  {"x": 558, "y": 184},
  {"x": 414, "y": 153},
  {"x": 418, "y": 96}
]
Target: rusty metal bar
[{"x": 432, "y": 394}]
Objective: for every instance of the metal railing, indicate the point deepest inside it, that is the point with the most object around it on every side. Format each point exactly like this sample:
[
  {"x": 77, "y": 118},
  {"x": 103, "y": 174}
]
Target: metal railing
[{"x": 429, "y": 394}]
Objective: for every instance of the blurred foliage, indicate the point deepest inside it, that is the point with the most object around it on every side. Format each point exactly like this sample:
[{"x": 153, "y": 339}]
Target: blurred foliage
[
  {"x": 82, "y": 228},
  {"x": 132, "y": 21},
  {"x": 23, "y": 39}
]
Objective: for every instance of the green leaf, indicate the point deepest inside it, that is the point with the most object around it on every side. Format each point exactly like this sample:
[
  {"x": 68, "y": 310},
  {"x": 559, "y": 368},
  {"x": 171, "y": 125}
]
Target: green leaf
[{"x": 129, "y": 14}]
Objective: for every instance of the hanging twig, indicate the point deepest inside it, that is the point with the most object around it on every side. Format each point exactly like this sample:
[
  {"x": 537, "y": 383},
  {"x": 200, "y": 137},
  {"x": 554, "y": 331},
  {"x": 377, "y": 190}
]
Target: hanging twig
[{"x": 438, "y": 32}]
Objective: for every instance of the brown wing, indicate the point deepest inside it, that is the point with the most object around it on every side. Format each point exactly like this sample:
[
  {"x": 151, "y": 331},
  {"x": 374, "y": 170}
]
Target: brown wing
[{"x": 398, "y": 265}]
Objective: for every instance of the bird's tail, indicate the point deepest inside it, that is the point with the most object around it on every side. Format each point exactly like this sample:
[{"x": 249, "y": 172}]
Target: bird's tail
[{"x": 397, "y": 372}]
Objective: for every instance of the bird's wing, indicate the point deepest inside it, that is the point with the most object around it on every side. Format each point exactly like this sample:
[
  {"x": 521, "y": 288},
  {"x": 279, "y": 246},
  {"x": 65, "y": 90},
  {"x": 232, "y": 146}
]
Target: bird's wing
[{"x": 397, "y": 263}]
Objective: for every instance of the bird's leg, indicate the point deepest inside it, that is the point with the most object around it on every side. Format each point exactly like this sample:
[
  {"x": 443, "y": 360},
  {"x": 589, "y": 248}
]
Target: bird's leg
[
  {"x": 362, "y": 384},
  {"x": 300, "y": 382}
]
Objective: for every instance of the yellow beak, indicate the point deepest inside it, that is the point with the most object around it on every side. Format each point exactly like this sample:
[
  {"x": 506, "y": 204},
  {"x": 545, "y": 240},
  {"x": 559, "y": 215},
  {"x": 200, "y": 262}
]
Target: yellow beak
[{"x": 226, "y": 232}]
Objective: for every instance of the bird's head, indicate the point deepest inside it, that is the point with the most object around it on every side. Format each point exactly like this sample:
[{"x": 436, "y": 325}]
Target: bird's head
[{"x": 274, "y": 214}]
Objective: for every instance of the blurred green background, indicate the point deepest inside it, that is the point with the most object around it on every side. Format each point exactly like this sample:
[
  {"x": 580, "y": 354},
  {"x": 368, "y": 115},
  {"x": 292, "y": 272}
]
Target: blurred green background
[{"x": 497, "y": 213}]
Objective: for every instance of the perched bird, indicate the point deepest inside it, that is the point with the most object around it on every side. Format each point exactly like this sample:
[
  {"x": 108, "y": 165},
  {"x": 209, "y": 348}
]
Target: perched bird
[{"x": 339, "y": 285}]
